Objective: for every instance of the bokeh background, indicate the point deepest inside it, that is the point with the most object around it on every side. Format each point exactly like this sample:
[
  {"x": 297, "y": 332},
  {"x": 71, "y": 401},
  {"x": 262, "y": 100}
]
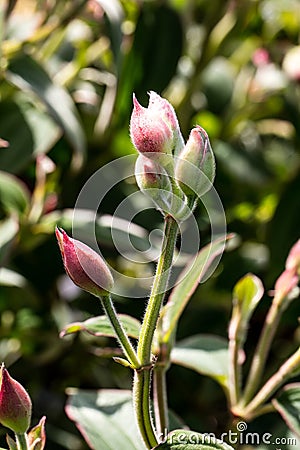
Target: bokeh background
[{"x": 68, "y": 69}]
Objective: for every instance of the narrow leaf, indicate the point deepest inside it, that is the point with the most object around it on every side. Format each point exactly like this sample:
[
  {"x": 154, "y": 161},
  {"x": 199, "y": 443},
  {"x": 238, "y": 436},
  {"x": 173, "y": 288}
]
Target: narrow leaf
[
  {"x": 287, "y": 404},
  {"x": 26, "y": 73},
  {"x": 206, "y": 354},
  {"x": 100, "y": 326},
  {"x": 190, "y": 440},
  {"x": 11, "y": 443},
  {"x": 189, "y": 280},
  {"x": 37, "y": 436}
]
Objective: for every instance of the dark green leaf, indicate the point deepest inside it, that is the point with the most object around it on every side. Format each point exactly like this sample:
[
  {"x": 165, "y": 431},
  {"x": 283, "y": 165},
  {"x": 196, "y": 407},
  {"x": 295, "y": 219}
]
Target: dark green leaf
[
  {"x": 206, "y": 354},
  {"x": 190, "y": 440},
  {"x": 26, "y": 73},
  {"x": 100, "y": 326},
  {"x": 287, "y": 404}
]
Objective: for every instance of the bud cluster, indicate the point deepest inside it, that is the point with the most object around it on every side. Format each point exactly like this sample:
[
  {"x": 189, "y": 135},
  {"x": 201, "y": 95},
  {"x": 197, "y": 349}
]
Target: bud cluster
[{"x": 174, "y": 174}]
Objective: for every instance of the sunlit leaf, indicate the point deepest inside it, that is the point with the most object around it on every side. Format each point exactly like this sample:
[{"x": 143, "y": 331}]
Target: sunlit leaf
[
  {"x": 100, "y": 326},
  {"x": 206, "y": 354},
  {"x": 8, "y": 231},
  {"x": 190, "y": 440},
  {"x": 105, "y": 419}
]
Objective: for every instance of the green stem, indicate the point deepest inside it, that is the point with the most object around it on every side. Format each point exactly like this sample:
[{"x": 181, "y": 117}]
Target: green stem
[
  {"x": 21, "y": 441},
  {"x": 160, "y": 400},
  {"x": 286, "y": 371},
  {"x": 120, "y": 332},
  {"x": 263, "y": 347},
  {"x": 234, "y": 371},
  {"x": 141, "y": 399},
  {"x": 141, "y": 385},
  {"x": 159, "y": 288}
]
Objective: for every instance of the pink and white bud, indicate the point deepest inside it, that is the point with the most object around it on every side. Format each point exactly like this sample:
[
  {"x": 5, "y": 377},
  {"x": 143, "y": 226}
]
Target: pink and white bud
[
  {"x": 293, "y": 259},
  {"x": 286, "y": 283},
  {"x": 195, "y": 168},
  {"x": 154, "y": 129},
  {"x": 84, "y": 266},
  {"x": 15, "y": 404}
]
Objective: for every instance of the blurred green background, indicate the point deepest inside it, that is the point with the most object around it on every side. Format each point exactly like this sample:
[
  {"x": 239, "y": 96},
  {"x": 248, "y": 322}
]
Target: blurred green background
[{"x": 68, "y": 69}]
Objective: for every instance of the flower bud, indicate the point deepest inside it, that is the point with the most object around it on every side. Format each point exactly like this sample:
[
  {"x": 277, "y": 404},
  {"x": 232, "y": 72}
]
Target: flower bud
[
  {"x": 15, "y": 403},
  {"x": 286, "y": 283},
  {"x": 195, "y": 168},
  {"x": 154, "y": 129},
  {"x": 153, "y": 180},
  {"x": 83, "y": 265}
]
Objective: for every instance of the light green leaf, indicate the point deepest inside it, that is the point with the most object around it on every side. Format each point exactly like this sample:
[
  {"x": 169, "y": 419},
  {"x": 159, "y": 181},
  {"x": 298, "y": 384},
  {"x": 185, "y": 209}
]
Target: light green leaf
[
  {"x": 105, "y": 419},
  {"x": 287, "y": 404},
  {"x": 190, "y": 440},
  {"x": 206, "y": 354},
  {"x": 8, "y": 231},
  {"x": 100, "y": 326},
  {"x": 246, "y": 294},
  {"x": 190, "y": 278},
  {"x": 26, "y": 73},
  {"x": 14, "y": 195}
]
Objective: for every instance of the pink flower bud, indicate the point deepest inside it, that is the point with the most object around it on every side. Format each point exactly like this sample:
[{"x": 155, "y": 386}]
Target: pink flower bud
[
  {"x": 15, "y": 403},
  {"x": 293, "y": 259},
  {"x": 83, "y": 265},
  {"x": 195, "y": 168},
  {"x": 154, "y": 129}
]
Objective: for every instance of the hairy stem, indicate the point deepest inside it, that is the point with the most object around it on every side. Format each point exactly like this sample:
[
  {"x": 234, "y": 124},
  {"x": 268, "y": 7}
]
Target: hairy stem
[
  {"x": 21, "y": 441},
  {"x": 141, "y": 400},
  {"x": 120, "y": 332},
  {"x": 159, "y": 288}
]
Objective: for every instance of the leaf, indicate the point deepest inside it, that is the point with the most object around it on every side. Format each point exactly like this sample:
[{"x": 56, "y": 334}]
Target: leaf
[
  {"x": 190, "y": 278},
  {"x": 105, "y": 418},
  {"x": 246, "y": 294},
  {"x": 190, "y": 440},
  {"x": 14, "y": 195},
  {"x": 100, "y": 326},
  {"x": 8, "y": 231},
  {"x": 37, "y": 436},
  {"x": 287, "y": 404},
  {"x": 114, "y": 12},
  {"x": 11, "y": 443},
  {"x": 26, "y": 73},
  {"x": 206, "y": 354}
]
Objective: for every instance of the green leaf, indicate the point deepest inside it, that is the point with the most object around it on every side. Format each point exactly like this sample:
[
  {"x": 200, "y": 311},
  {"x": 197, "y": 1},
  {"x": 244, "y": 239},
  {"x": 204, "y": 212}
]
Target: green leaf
[
  {"x": 105, "y": 419},
  {"x": 246, "y": 294},
  {"x": 100, "y": 326},
  {"x": 11, "y": 443},
  {"x": 114, "y": 12},
  {"x": 26, "y": 73},
  {"x": 206, "y": 354},
  {"x": 37, "y": 436},
  {"x": 14, "y": 195},
  {"x": 8, "y": 231},
  {"x": 190, "y": 278},
  {"x": 287, "y": 404},
  {"x": 190, "y": 440}
]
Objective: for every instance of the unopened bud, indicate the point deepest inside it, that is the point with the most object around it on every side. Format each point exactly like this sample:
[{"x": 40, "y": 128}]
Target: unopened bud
[
  {"x": 195, "y": 168},
  {"x": 153, "y": 180},
  {"x": 83, "y": 265},
  {"x": 154, "y": 129},
  {"x": 15, "y": 403}
]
